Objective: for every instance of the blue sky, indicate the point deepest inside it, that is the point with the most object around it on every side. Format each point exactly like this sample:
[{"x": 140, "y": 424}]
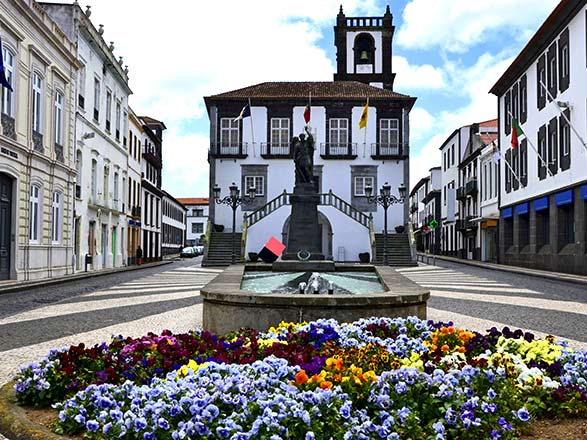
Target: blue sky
[{"x": 447, "y": 53}]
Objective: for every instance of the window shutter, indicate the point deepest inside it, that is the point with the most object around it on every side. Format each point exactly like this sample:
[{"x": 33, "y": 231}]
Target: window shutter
[
  {"x": 508, "y": 110},
  {"x": 565, "y": 159},
  {"x": 524, "y": 162},
  {"x": 541, "y": 97},
  {"x": 523, "y": 99},
  {"x": 564, "y": 59},
  {"x": 552, "y": 73},
  {"x": 553, "y": 134},
  {"x": 541, "y": 141},
  {"x": 515, "y": 166},
  {"x": 508, "y": 180}
]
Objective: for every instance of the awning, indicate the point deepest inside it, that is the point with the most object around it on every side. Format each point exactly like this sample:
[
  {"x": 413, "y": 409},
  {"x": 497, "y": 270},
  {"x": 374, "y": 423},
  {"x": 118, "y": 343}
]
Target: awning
[
  {"x": 507, "y": 212},
  {"x": 523, "y": 208},
  {"x": 564, "y": 198},
  {"x": 541, "y": 204},
  {"x": 584, "y": 192}
]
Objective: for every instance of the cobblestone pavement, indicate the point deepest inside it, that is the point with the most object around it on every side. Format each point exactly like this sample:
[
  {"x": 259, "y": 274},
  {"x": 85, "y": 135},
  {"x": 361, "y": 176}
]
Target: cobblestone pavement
[
  {"x": 480, "y": 299},
  {"x": 133, "y": 303}
]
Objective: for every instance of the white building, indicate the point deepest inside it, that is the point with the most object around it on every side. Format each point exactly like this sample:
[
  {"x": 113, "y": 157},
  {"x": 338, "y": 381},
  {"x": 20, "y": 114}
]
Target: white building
[
  {"x": 418, "y": 210},
  {"x": 451, "y": 151},
  {"x": 489, "y": 198},
  {"x": 101, "y": 153},
  {"x": 196, "y": 219},
  {"x": 173, "y": 221},
  {"x": 347, "y": 159},
  {"x": 136, "y": 137},
  {"x": 36, "y": 144},
  {"x": 543, "y": 201}
]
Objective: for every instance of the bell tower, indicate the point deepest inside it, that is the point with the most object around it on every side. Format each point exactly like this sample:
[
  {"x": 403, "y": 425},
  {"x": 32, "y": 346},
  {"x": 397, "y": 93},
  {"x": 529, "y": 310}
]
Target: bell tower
[{"x": 363, "y": 49}]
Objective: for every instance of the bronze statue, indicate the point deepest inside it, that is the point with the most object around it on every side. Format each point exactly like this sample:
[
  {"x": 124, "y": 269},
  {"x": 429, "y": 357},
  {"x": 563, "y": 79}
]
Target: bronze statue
[{"x": 304, "y": 157}]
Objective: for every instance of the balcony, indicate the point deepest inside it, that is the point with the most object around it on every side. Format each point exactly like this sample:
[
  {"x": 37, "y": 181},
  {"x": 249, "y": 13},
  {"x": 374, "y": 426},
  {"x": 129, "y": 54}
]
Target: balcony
[
  {"x": 152, "y": 154},
  {"x": 461, "y": 194},
  {"x": 38, "y": 142},
  {"x": 386, "y": 151},
  {"x": 276, "y": 150},
  {"x": 471, "y": 188},
  {"x": 135, "y": 211},
  {"x": 461, "y": 225},
  {"x": 234, "y": 150},
  {"x": 334, "y": 150},
  {"x": 414, "y": 207},
  {"x": 470, "y": 224},
  {"x": 8, "y": 126}
]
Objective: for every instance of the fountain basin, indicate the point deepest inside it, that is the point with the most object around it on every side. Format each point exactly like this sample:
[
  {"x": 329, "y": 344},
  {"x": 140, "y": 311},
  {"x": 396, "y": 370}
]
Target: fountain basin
[{"x": 226, "y": 307}]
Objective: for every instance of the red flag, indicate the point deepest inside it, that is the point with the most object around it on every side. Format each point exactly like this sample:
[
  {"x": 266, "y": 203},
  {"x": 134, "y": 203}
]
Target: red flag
[
  {"x": 516, "y": 132},
  {"x": 307, "y": 114}
]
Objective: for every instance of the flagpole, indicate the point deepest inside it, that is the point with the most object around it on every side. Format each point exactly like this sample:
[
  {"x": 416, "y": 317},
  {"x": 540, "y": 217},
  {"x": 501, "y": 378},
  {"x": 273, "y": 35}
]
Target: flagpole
[
  {"x": 505, "y": 161},
  {"x": 565, "y": 116},
  {"x": 365, "y": 134},
  {"x": 252, "y": 133},
  {"x": 534, "y": 148}
]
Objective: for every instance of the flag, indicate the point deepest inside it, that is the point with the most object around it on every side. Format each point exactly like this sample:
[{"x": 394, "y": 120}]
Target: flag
[
  {"x": 516, "y": 133},
  {"x": 3, "y": 80},
  {"x": 496, "y": 155},
  {"x": 307, "y": 114},
  {"x": 245, "y": 113},
  {"x": 364, "y": 116}
]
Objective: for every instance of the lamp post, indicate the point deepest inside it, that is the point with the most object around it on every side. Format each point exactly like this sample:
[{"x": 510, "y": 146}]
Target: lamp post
[
  {"x": 234, "y": 200},
  {"x": 385, "y": 199}
]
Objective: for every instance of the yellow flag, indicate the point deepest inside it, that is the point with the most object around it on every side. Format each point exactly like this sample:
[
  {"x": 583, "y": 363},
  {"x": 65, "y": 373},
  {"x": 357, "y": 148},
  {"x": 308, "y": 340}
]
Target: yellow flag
[{"x": 364, "y": 116}]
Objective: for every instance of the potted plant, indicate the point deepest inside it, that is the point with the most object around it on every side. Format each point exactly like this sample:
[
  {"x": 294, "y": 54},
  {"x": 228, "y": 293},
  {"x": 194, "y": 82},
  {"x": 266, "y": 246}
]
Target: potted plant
[
  {"x": 253, "y": 257},
  {"x": 400, "y": 229},
  {"x": 364, "y": 257}
]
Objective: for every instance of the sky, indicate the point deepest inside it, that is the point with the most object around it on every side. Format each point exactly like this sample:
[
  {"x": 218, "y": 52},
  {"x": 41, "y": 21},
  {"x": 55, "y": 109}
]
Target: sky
[{"x": 447, "y": 53}]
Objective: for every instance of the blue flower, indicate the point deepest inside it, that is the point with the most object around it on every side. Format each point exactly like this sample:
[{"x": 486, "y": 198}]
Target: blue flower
[
  {"x": 92, "y": 425},
  {"x": 523, "y": 414}
]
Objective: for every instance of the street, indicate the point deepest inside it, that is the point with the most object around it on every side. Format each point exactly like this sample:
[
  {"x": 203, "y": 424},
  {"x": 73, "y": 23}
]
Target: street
[{"x": 167, "y": 297}]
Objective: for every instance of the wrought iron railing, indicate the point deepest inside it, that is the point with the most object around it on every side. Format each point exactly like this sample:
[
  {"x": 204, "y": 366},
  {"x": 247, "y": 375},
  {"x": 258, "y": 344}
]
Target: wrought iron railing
[
  {"x": 276, "y": 149},
  {"x": 386, "y": 149},
  {"x": 338, "y": 150},
  {"x": 233, "y": 149}
]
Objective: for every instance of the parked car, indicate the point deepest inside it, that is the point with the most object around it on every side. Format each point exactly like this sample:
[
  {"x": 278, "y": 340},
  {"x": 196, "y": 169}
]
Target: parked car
[
  {"x": 188, "y": 252},
  {"x": 199, "y": 250}
]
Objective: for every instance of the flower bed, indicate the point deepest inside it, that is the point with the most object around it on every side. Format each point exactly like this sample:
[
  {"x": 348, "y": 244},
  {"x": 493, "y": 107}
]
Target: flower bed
[{"x": 375, "y": 378}]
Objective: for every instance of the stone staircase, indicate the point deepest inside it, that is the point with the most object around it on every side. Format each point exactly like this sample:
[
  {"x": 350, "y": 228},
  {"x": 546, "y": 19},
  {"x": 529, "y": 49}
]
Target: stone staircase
[
  {"x": 219, "y": 249},
  {"x": 398, "y": 250}
]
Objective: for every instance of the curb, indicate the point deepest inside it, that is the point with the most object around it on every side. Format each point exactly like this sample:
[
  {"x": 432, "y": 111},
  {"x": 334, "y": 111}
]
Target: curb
[
  {"x": 24, "y": 285},
  {"x": 554, "y": 276},
  {"x": 14, "y": 423}
]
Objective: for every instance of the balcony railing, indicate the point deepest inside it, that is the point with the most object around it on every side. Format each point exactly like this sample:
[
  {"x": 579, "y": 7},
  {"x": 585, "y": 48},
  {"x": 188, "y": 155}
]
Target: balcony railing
[
  {"x": 460, "y": 225},
  {"x": 8, "y": 126},
  {"x": 386, "y": 150},
  {"x": 96, "y": 115},
  {"x": 338, "y": 150},
  {"x": 81, "y": 101},
  {"x": 233, "y": 149},
  {"x": 38, "y": 141},
  {"x": 471, "y": 188},
  {"x": 135, "y": 211},
  {"x": 107, "y": 125},
  {"x": 414, "y": 207},
  {"x": 469, "y": 223},
  {"x": 59, "y": 153},
  {"x": 271, "y": 150},
  {"x": 461, "y": 194}
]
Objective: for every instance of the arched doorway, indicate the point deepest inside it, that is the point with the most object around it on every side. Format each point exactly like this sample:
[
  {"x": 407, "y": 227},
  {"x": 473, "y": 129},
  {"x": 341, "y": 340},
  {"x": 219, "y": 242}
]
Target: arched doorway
[
  {"x": 5, "y": 225},
  {"x": 325, "y": 233}
]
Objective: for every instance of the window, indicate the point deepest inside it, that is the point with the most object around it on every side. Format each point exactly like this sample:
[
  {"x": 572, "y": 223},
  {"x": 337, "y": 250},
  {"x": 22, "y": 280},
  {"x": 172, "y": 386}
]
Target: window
[
  {"x": 490, "y": 181},
  {"x": 115, "y": 195},
  {"x": 229, "y": 132},
  {"x": 78, "y": 177},
  {"x": 258, "y": 182},
  {"x": 34, "y": 213},
  {"x": 566, "y": 225},
  {"x": 197, "y": 228},
  {"x": 523, "y": 230},
  {"x": 389, "y": 132},
  {"x": 37, "y": 103},
  {"x": 56, "y": 219},
  {"x": 123, "y": 193},
  {"x": 565, "y": 137},
  {"x": 81, "y": 100},
  {"x": 279, "y": 132},
  {"x": 564, "y": 61},
  {"x": 541, "y": 82},
  {"x": 108, "y": 109},
  {"x": 361, "y": 182},
  {"x": 96, "y": 99},
  {"x": 542, "y": 228},
  {"x": 58, "y": 122},
  {"x": 452, "y": 155},
  {"x": 124, "y": 126},
  {"x": 94, "y": 182},
  {"x": 7, "y": 95},
  {"x": 339, "y": 133},
  {"x": 485, "y": 181},
  {"x": 198, "y": 212},
  {"x": 118, "y": 120},
  {"x": 105, "y": 195}
]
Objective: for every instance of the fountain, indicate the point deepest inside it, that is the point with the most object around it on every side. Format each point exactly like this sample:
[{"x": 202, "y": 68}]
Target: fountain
[{"x": 262, "y": 295}]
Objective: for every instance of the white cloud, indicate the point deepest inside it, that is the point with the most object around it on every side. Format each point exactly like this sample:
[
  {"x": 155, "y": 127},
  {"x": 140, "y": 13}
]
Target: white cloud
[
  {"x": 456, "y": 25},
  {"x": 421, "y": 123},
  {"x": 424, "y": 159},
  {"x": 409, "y": 76}
]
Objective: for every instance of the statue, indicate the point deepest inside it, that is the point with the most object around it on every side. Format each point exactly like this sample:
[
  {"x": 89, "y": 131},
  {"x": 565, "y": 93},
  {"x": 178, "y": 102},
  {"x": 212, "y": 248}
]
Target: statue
[{"x": 304, "y": 157}]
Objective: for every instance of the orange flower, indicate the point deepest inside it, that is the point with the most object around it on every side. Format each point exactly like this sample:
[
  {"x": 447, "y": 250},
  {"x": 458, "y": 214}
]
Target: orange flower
[
  {"x": 444, "y": 348},
  {"x": 301, "y": 377},
  {"x": 451, "y": 329},
  {"x": 325, "y": 384},
  {"x": 444, "y": 330},
  {"x": 462, "y": 349},
  {"x": 337, "y": 377}
]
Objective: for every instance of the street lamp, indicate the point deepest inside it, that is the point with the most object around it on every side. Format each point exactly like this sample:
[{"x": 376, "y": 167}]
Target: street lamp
[
  {"x": 234, "y": 200},
  {"x": 385, "y": 199}
]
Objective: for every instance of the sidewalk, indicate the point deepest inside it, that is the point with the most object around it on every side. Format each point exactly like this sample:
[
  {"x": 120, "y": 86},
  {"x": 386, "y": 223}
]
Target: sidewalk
[
  {"x": 555, "y": 276},
  {"x": 16, "y": 286}
]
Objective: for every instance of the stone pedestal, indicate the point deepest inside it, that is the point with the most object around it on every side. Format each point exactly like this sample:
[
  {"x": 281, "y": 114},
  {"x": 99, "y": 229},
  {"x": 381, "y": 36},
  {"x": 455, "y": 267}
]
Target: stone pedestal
[{"x": 304, "y": 232}]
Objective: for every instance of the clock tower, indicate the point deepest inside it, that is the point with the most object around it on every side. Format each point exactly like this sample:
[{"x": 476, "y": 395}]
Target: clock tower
[{"x": 363, "y": 49}]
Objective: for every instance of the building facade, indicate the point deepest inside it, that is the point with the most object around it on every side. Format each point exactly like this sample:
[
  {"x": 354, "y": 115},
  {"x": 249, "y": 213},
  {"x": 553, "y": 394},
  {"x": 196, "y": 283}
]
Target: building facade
[
  {"x": 173, "y": 225},
  {"x": 451, "y": 157},
  {"x": 37, "y": 157},
  {"x": 151, "y": 166},
  {"x": 196, "y": 219},
  {"x": 136, "y": 137},
  {"x": 257, "y": 150},
  {"x": 543, "y": 195},
  {"x": 101, "y": 151}
]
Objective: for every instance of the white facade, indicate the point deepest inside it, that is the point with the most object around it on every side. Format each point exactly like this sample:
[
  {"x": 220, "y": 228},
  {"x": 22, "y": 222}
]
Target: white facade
[
  {"x": 102, "y": 102},
  {"x": 36, "y": 139},
  {"x": 489, "y": 199},
  {"x": 196, "y": 219},
  {"x": 134, "y": 197},
  {"x": 173, "y": 224},
  {"x": 451, "y": 152}
]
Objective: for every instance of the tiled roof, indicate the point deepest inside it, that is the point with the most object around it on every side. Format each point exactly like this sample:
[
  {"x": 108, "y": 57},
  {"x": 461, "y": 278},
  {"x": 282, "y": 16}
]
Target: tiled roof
[
  {"x": 488, "y": 138},
  {"x": 193, "y": 200},
  {"x": 318, "y": 90},
  {"x": 490, "y": 123}
]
